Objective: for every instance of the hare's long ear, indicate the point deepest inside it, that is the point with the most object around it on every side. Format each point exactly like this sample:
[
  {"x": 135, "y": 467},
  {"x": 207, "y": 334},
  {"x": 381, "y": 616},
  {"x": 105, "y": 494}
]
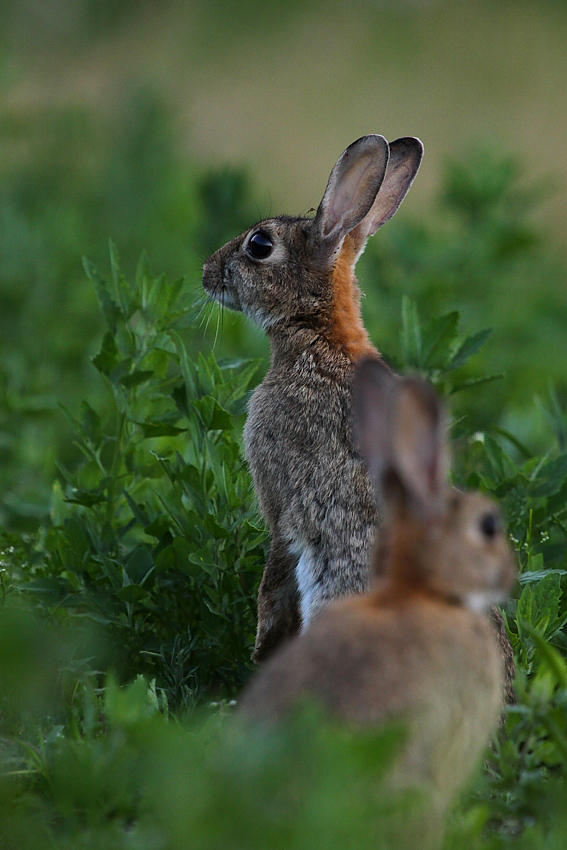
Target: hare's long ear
[
  {"x": 374, "y": 393},
  {"x": 350, "y": 193},
  {"x": 420, "y": 447},
  {"x": 405, "y": 158}
]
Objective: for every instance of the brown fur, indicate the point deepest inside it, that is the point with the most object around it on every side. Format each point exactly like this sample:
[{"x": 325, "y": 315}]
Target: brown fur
[
  {"x": 403, "y": 652},
  {"x": 412, "y": 649},
  {"x": 311, "y": 483}
]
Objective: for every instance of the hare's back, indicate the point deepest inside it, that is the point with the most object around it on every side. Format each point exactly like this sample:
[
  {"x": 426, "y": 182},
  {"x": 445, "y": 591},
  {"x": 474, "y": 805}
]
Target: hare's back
[{"x": 435, "y": 664}]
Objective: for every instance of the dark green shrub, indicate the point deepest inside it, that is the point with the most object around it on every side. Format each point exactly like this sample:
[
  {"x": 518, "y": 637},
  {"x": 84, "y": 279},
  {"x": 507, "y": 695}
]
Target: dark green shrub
[{"x": 156, "y": 534}]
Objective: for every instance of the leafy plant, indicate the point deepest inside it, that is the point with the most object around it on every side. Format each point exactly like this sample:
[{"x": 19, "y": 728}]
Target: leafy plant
[
  {"x": 156, "y": 534},
  {"x": 436, "y": 350},
  {"x": 153, "y": 536},
  {"x": 480, "y": 251}
]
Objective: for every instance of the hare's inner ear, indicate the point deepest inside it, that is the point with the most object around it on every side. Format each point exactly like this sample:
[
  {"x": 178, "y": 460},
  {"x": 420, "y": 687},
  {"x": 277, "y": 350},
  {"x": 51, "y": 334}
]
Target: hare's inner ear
[
  {"x": 405, "y": 158},
  {"x": 419, "y": 446},
  {"x": 351, "y": 190},
  {"x": 374, "y": 391}
]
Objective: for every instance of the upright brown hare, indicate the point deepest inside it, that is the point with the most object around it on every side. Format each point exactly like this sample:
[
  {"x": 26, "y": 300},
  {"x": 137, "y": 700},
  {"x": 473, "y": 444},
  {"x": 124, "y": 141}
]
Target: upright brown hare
[
  {"x": 295, "y": 278},
  {"x": 419, "y": 647}
]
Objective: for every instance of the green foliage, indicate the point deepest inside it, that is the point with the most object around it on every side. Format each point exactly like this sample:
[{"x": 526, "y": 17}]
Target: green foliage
[
  {"x": 532, "y": 491},
  {"x": 124, "y": 775},
  {"x": 155, "y": 535},
  {"x": 479, "y": 251},
  {"x": 436, "y": 350},
  {"x": 66, "y": 183},
  {"x": 150, "y": 531}
]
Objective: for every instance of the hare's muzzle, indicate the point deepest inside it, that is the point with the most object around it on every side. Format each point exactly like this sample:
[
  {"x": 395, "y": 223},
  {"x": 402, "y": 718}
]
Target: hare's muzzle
[{"x": 210, "y": 276}]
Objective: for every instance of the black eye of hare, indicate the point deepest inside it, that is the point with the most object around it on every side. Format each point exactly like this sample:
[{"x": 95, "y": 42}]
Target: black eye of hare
[
  {"x": 260, "y": 245},
  {"x": 490, "y": 525}
]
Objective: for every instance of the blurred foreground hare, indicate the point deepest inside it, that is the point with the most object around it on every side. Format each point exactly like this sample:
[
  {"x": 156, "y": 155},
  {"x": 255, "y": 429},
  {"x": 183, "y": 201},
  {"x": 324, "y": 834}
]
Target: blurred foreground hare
[
  {"x": 295, "y": 278},
  {"x": 419, "y": 647}
]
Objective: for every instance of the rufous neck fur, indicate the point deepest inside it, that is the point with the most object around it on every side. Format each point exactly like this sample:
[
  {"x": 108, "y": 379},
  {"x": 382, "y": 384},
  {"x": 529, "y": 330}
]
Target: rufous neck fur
[
  {"x": 398, "y": 564},
  {"x": 345, "y": 327}
]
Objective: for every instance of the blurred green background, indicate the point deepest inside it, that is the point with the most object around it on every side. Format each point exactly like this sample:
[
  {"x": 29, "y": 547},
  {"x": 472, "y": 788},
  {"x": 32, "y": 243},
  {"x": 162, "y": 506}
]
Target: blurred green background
[{"x": 170, "y": 126}]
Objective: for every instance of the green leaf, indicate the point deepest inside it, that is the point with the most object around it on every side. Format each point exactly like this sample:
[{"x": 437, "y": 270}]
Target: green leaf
[
  {"x": 90, "y": 422},
  {"x": 501, "y": 464},
  {"x": 546, "y": 598},
  {"x": 475, "y": 382},
  {"x": 212, "y": 415},
  {"x": 503, "y": 432},
  {"x": 179, "y": 396},
  {"x": 204, "y": 376},
  {"x": 124, "y": 293},
  {"x": 86, "y": 499},
  {"x": 139, "y": 564},
  {"x": 202, "y": 559},
  {"x": 551, "y": 477},
  {"x": 237, "y": 386},
  {"x": 51, "y": 589},
  {"x": 255, "y": 535},
  {"x": 143, "y": 275},
  {"x": 536, "y": 575},
  {"x": 187, "y": 367},
  {"x": 539, "y": 603},
  {"x": 137, "y": 511},
  {"x": 216, "y": 530},
  {"x": 525, "y": 605},
  {"x": 128, "y": 706},
  {"x": 554, "y": 662},
  {"x": 158, "y": 527},
  {"x": 438, "y": 338},
  {"x": 110, "y": 309},
  {"x": 174, "y": 290},
  {"x": 131, "y": 593},
  {"x": 135, "y": 378},
  {"x": 160, "y": 429},
  {"x": 190, "y": 476},
  {"x": 108, "y": 357},
  {"x": 114, "y": 264},
  {"x": 183, "y": 558},
  {"x": 469, "y": 347}
]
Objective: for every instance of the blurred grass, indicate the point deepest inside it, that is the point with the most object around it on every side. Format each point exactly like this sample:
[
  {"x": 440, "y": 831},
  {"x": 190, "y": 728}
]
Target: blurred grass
[{"x": 286, "y": 85}]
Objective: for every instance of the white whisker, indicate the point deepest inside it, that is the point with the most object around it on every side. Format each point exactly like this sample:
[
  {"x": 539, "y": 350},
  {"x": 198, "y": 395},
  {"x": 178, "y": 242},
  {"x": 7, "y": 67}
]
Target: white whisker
[
  {"x": 219, "y": 314},
  {"x": 208, "y": 319},
  {"x": 207, "y": 306}
]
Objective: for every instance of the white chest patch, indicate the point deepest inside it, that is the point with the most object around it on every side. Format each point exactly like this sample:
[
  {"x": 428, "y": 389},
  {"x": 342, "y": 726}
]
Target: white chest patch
[
  {"x": 480, "y": 601},
  {"x": 304, "y": 577}
]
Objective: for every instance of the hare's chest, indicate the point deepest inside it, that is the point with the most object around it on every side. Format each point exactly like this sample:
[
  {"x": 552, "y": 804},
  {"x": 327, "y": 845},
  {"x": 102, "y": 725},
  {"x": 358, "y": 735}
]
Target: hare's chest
[{"x": 463, "y": 699}]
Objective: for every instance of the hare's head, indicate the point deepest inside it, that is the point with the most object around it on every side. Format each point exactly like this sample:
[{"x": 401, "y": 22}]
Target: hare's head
[
  {"x": 452, "y": 542},
  {"x": 280, "y": 271}
]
